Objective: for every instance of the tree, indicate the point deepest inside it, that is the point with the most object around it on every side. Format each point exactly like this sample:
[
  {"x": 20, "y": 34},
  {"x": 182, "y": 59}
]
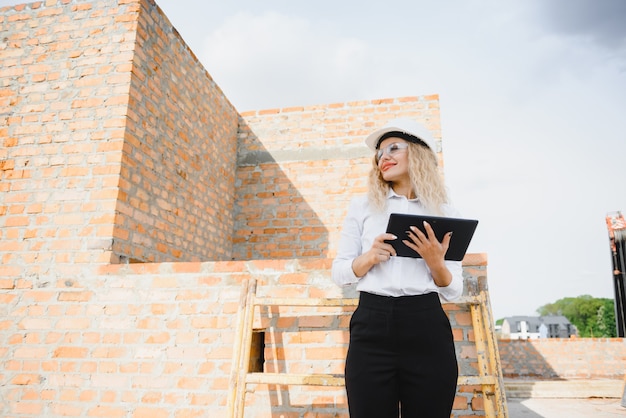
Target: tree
[{"x": 593, "y": 317}]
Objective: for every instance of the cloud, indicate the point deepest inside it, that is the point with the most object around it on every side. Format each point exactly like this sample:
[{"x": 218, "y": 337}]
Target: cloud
[
  {"x": 279, "y": 60},
  {"x": 267, "y": 58},
  {"x": 600, "y": 22},
  {"x": 271, "y": 59}
]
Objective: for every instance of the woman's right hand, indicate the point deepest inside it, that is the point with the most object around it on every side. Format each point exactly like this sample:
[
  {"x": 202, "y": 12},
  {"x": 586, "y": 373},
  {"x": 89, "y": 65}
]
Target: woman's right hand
[{"x": 380, "y": 251}]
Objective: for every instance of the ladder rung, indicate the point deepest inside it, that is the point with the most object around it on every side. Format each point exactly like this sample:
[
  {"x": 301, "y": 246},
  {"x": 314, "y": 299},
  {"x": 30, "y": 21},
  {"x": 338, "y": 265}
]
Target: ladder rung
[
  {"x": 263, "y": 301},
  {"x": 268, "y": 301},
  {"x": 295, "y": 379},
  {"x": 464, "y": 300},
  {"x": 338, "y": 380},
  {"x": 476, "y": 380}
]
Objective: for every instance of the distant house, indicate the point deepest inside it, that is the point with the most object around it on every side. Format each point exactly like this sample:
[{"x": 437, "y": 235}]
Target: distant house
[{"x": 532, "y": 327}]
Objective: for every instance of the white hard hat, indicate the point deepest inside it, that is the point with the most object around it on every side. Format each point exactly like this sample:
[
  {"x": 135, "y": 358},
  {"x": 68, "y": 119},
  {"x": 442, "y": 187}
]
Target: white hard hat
[{"x": 406, "y": 129}]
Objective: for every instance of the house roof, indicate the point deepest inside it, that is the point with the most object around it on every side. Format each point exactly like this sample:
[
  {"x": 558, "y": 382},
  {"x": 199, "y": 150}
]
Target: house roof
[
  {"x": 555, "y": 319},
  {"x": 535, "y": 321}
]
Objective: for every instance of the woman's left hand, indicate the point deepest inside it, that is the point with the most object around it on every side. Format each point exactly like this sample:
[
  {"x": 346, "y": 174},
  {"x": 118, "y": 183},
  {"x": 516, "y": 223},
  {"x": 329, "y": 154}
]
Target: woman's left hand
[{"x": 431, "y": 250}]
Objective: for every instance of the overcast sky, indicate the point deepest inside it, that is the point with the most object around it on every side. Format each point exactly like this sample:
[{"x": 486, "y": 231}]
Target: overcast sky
[{"x": 533, "y": 110}]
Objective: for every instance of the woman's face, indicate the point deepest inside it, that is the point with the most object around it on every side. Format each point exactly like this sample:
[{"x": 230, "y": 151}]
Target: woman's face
[{"x": 393, "y": 161}]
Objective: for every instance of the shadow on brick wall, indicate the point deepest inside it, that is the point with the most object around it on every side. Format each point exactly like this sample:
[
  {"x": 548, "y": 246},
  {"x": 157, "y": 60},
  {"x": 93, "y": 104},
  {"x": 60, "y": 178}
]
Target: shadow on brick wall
[
  {"x": 273, "y": 217},
  {"x": 523, "y": 365},
  {"x": 521, "y": 360}
]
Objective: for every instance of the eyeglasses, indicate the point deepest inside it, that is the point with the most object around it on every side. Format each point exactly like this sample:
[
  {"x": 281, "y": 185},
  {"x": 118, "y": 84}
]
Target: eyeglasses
[{"x": 391, "y": 149}]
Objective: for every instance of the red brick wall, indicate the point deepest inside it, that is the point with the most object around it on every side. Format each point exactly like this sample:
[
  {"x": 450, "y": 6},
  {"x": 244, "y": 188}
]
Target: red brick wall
[
  {"x": 132, "y": 124},
  {"x": 564, "y": 358},
  {"x": 63, "y": 99},
  {"x": 155, "y": 340},
  {"x": 299, "y": 167},
  {"x": 117, "y": 144},
  {"x": 177, "y": 183}
]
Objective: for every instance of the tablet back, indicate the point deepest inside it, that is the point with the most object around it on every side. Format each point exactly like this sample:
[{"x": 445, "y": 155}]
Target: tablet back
[{"x": 463, "y": 231}]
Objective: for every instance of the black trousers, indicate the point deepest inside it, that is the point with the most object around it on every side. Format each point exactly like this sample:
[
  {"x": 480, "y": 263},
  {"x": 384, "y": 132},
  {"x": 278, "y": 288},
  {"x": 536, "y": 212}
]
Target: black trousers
[{"x": 401, "y": 358}]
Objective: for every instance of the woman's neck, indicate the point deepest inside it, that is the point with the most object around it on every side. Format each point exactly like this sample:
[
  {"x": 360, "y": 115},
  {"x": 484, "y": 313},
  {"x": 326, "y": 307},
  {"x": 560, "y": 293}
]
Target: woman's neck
[{"x": 403, "y": 189}]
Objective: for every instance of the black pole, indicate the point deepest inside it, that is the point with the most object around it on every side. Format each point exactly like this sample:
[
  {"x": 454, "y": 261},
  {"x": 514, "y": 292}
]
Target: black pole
[
  {"x": 617, "y": 234},
  {"x": 619, "y": 280}
]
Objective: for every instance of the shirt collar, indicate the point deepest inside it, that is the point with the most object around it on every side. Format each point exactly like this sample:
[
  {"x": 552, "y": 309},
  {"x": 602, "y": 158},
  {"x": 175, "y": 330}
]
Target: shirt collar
[{"x": 393, "y": 195}]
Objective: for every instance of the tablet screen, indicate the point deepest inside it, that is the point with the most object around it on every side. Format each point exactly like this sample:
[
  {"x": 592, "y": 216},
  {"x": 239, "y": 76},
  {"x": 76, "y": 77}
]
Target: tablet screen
[{"x": 462, "y": 229}]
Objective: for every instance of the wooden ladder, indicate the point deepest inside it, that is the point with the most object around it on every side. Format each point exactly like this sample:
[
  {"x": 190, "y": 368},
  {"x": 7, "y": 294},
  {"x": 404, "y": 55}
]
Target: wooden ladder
[{"x": 489, "y": 376}]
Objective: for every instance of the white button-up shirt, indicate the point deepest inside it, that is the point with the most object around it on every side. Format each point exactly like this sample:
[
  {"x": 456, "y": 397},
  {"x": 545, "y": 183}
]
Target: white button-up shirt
[{"x": 399, "y": 276}]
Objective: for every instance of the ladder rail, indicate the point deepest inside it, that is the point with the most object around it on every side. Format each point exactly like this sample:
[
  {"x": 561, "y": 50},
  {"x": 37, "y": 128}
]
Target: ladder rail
[
  {"x": 241, "y": 356},
  {"x": 494, "y": 361},
  {"x": 237, "y": 349},
  {"x": 482, "y": 356}
]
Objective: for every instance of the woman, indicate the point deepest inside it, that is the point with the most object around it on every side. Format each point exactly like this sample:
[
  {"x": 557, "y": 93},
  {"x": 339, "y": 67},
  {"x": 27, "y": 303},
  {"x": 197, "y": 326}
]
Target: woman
[{"x": 401, "y": 358}]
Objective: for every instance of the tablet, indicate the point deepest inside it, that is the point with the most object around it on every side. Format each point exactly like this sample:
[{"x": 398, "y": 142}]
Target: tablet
[{"x": 463, "y": 231}]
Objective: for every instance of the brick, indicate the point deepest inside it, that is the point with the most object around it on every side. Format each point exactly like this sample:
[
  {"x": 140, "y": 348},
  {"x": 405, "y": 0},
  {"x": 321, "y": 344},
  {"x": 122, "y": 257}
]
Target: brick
[
  {"x": 70, "y": 352},
  {"x": 26, "y": 379},
  {"x": 159, "y": 338},
  {"x": 107, "y": 411},
  {"x": 463, "y": 318},
  {"x": 7, "y": 284},
  {"x": 150, "y": 412},
  {"x": 28, "y": 408},
  {"x": 81, "y": 296},
  {"x": 30, "y": 352}
]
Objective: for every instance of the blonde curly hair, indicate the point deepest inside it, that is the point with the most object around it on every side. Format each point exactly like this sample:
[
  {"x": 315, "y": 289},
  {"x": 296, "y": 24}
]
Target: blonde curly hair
[{"x": 426, "y": 179}]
